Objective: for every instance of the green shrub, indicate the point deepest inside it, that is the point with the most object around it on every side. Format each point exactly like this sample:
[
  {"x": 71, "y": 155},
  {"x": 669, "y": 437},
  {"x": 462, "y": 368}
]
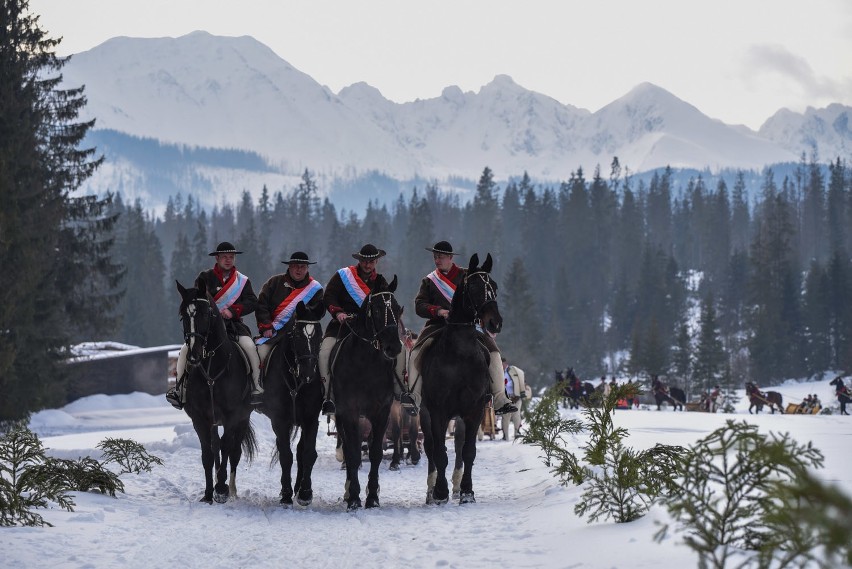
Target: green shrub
[
  {"x": 620, "y": 483},
  {"x": 128, "y": 454},
  {"x": 28, "y": 480},
  {"x": 85, "y": 474}
]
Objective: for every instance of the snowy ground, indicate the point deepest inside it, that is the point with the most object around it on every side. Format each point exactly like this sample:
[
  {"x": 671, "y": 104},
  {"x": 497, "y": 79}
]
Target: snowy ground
[{"x": 523, "y": 517}]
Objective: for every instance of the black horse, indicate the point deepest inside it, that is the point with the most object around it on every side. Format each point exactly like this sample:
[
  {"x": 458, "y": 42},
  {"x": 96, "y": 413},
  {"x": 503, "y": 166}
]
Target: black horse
[
  {"x": 293, "y": 398},
  {"x": 362, "y": 378},
  {"x": 217, "y": 392},
  {"x": 455, "y": 378},
  {"x": 665, "y": 394},
  {"x": 758, "y": 398},
  {"x": 842, "y": 393}
]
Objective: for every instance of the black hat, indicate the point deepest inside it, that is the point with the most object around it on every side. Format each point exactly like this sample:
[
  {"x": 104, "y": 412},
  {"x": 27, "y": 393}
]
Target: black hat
[
  {"x": 369, "y": 252},
  {"x": 225, "y": 247},
  {"x": 443, "y": 247},
  {"x": 299, "y": 258}
]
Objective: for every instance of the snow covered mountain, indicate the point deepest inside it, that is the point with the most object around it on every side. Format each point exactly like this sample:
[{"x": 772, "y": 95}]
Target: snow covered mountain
[{"x": 235, "y": 93}]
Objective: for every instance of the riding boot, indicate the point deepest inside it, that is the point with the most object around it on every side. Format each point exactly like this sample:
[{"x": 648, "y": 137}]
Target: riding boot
[
  {"x": 177, "y": 394},
  {"x": 502, "y": 404},
  {"x": 328, "y": 407},
  {"x": 250, "y": 349}
]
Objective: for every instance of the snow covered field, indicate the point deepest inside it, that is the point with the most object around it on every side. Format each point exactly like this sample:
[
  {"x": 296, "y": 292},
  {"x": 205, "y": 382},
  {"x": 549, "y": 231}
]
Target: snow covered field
[{"x": 523, "y": 517}]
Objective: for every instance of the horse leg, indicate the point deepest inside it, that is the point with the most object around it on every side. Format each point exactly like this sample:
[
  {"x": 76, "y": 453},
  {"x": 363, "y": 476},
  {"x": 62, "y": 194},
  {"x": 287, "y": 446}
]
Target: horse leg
[
  {"x": 226, "y": 444},
  {"x": 306, "y": 453},
  {"x": 429, "y": 449},
  {"x": 413, "y": 450},
  {"x": 351, "y": 432},
  {"x": 396, "y": 435},
  {"x": 440, "y": 490},
  {"x": 208, "y": 458},
  {"x": 469, "y": 455},
  {"x": 285, "y": 460},
  {"x": 380, "y": 426},
  {"x": 458, "y": 465},
  {"x": 235, "y": 453}
]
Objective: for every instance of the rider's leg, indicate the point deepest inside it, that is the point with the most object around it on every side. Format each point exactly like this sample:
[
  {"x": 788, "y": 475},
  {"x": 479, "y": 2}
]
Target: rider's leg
[
  {"x": 177, "y": 394},
  {"x": 415, "y": 382},
  {"x": 502, "y": 404},
  {"x": 250, "y": 349},
  {"x": 328, "y": 342},
  {"x": 402, "y": 386}
]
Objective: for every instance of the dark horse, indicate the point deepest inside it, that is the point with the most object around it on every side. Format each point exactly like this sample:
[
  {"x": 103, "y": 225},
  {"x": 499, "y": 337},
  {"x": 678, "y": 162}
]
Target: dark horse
[
  {"x": 403, "y": 432},
  {"x": 455, "y": 378},
  {"x": 574, "y": 392},
  {"x": 217, "y": 392},
  {"x": 758, "y": 399},
  {"x": 666, "y": 394},
  {"x": 293, "y": 398},
  {"x": 842, "y": 393},
  {"x": 362, "y": 378}
]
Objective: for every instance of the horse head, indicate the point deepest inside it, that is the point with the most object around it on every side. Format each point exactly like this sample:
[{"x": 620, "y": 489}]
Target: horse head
[
  {"x": 480, "y": 294},
  {"x": 382, "y": 314},
  {"x": 199, "y": 315},
  {"x": 304, "y": 335}
]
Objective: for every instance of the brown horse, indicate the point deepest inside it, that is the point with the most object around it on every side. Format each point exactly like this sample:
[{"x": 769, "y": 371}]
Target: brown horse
[
  {"x": 403, "y": 433},
  {"x": 758, "y": 399}
]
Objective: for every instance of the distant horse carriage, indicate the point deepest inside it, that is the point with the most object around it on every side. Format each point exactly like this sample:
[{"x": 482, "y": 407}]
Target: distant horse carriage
[
  {"x": 217, "y": 392},
  {"x": 456, "y": 380},
  {"x": 758, "y": 398},
  {"x": 574, "y": 392},
  {"x": 293, "y": 398},
  {"x": 670, "y": 395},
  {"x": 362, "y": 378}
]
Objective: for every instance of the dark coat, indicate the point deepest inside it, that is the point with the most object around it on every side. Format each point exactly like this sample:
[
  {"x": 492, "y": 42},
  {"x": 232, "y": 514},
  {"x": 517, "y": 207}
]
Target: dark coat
[
  {"x": 275, "y": 290},
  {"x": 337, "y": 299},
  {"x": 243, "y": 306}
]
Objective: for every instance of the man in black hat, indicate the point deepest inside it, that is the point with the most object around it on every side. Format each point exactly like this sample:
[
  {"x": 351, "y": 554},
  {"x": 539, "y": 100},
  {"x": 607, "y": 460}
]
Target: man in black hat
[
  {"x": 344, "y": 294},
  {"x": 234, "y": 298},
  {"x": 433, "y": 302},
  {"x": 279, "y": 297}
]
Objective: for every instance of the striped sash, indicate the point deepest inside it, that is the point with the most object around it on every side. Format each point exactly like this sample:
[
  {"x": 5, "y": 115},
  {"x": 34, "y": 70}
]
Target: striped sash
[
  {"x": 284, "y": 311},
  {"x": 445, "y": 286},
  {"x": 232, "y": 290},
  {"x": 354, "y": 285}
]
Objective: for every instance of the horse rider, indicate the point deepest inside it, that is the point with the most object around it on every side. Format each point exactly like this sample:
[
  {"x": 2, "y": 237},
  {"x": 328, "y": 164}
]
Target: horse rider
[
  {"x": 279, "y": 297},
  {"x": 234, "y": 297},
  {"x": 344, "y": 295},
  {"x": 433, "y": 302},
  {"x": 713, "y": 399}
]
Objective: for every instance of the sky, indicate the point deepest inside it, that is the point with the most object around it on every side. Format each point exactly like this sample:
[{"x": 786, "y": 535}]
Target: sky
[
  {"x": 523, "y": 517},
  {"x": 738, "y": 61}
]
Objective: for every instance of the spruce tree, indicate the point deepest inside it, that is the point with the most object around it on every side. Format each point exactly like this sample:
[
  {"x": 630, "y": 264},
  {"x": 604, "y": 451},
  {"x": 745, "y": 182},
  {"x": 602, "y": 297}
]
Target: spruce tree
[
  {"x": 40, "y": 166},
  {"x": 709, "y": 357}
]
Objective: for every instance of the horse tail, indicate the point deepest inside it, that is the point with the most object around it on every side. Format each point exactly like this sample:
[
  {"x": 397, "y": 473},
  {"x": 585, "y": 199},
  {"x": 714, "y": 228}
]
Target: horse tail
[
  {"x": 294, "y": 433},
  {"x": 249, "y": 442}
]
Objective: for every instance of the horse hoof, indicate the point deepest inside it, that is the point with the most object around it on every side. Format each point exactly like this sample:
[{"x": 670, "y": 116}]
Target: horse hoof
[
  {"x": 286, "y": 501},
  {"x": 456, "y": 495},
  {"x": 220, "y": 498},
  {"x": 206, "y": 499},
  {"x": 372, "y": 503},
  {"x": 394, "y": 467},
  {"x": 304, "y": 498},
  {"x": 353, "y": 505},
  {"x": 467, "y": 498}
]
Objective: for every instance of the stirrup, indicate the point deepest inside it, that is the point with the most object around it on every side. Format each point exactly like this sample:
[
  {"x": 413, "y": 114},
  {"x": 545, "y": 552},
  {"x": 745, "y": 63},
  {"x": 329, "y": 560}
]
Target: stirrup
[
  {"x": 407, "y": 402},
  {"x": 328, "y": 407},
  {"x": 256, "y": 399},
  {"x": 173, "y": 398}
]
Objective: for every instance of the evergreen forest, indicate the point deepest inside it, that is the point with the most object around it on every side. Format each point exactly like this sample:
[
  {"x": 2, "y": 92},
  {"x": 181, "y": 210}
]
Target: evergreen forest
[{"x": 696, "y": 283}]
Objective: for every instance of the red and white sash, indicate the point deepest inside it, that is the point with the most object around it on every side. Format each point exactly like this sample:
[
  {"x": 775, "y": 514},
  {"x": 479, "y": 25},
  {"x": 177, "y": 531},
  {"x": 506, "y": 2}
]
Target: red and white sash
[
  {"x": 284, "y": 311},
  {"x": 232, "y": 290},
  {"x": 355, "y": 285},
  {"x": 445, "y": 286}
]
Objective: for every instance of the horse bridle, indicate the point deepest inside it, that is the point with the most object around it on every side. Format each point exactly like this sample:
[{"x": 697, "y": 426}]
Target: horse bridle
[
  {"x": 390, "y": 320},
  {"x": 295, "y": 365},
  {"x": 188, "y": 337},
  {"x": 490, "y": 293}
]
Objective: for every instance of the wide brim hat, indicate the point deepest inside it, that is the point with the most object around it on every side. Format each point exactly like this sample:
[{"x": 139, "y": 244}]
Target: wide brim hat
[
  {"x": 369, "y": 252},
  {"x": 299, "y": 258},
  {"x": 225, "y": 247},
  {"x": 442, "y": 247}
]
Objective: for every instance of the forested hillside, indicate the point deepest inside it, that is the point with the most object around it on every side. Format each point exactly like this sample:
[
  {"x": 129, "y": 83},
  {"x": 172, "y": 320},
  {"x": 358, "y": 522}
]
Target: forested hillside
[{"x": 602, "y": 273}]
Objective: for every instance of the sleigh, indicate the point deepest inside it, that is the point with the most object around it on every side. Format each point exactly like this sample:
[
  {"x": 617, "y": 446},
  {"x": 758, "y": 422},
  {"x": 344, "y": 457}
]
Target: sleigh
[{"x": 793, "y": 408}]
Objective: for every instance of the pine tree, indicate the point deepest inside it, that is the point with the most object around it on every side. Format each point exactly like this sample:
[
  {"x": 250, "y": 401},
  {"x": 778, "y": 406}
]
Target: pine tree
[
  {"x": 709, "y": 356},
  {"x": 40, "y": 165},
  {"x": 521, "y": 334}
]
